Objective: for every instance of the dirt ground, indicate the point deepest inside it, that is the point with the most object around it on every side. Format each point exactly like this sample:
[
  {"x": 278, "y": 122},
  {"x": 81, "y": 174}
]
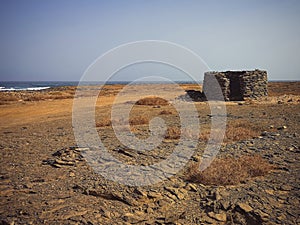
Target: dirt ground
[{"x": 44, "y": 178}]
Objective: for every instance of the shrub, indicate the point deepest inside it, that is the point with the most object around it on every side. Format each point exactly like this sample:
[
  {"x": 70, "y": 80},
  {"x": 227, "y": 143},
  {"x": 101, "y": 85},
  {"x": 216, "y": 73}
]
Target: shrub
[
  {"x": 229, "y": 170},
  {"x": 8, "y": 98},
  {"x": 204, "y": 135},
  {"x": 103, "y": 123},
  {"x": 173, "y": 133},
  {"x": 240, "y": 133},
  {"x": 165, "y": 112},
  {"x": 236, "y": 130},
  {"x": 153, "y": 101},
  {"x": 138, "y": 120},
  {"x": 133, "y": 129}
]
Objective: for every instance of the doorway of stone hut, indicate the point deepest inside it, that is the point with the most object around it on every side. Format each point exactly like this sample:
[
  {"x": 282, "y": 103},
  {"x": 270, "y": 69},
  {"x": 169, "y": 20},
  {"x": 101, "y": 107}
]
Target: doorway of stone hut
[{"x": 235, "y": 88}]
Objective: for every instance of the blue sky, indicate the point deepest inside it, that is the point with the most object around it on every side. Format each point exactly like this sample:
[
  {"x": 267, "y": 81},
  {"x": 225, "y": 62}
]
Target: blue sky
[{"x": 58, "y": 40}]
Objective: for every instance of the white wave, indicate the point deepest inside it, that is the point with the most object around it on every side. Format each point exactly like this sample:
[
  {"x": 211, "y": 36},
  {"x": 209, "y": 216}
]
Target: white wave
[
  {"x": 23, "y": 89},
  {"x": 36, "y": 88},
  {"x": 7, "y": 89}
]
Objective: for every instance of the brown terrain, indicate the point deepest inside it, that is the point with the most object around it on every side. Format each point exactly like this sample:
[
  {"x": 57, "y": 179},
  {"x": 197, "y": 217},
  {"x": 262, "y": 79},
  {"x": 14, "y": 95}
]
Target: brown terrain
[{"x": 44, "y": 178}]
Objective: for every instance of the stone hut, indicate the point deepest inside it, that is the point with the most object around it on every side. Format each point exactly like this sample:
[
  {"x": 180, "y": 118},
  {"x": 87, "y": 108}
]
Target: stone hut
[{"x": 238, "y": 85}]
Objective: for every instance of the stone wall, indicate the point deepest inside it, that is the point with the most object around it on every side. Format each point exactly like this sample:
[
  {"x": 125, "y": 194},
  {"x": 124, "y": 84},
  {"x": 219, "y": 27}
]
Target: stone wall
[{"x": 236, "y": 85}]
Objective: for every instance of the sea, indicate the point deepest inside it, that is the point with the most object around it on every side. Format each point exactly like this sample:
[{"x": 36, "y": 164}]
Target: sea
[{"x": 42, "y": 85}]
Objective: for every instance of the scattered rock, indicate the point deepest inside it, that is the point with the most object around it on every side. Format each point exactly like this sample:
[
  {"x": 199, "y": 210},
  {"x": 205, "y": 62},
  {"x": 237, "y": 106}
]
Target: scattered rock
[
  {"x": 264, "y": 216},
  {"x": 72, "y": 174},
  {"x": 225, "y": 204},
  {"x": 245, "y": 207},
  {"x": 133, "y": 218},
  {"x": 153, "y": 194},
  {"x": 282, "y": 128},
  {"x": 218, "y": 216},
  {"x": 192, "y": 187},
  {"x": 286, "y": 187}
]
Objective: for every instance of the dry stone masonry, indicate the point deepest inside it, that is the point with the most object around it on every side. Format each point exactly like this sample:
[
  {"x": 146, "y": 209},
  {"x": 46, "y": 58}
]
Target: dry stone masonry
[{"x": 238, "y": 85}]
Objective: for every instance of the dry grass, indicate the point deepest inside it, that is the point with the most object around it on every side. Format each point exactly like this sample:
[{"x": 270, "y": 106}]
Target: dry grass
[
  {"x": 283, "y": 88},
  {"x": 242, "y": 130},
  {"x": 240, "y": 133},
  {"x": 8, "y": 98},
  {"x": 236, "y": 130},
  {"x": 152, "y": 101},
  {"x": 103, "y": 122},
  {"x": 165, "y": 112},
  {"x": 138, "y": 120},
  {"x": 229, "y": 170},
  {"x": 31, "y": 96},
  {"x": 173, "y": 133},
  {"x": 204, "y": 135},
  {"x": 133, "y": 129},
  {"x": 35, "y": 97}
]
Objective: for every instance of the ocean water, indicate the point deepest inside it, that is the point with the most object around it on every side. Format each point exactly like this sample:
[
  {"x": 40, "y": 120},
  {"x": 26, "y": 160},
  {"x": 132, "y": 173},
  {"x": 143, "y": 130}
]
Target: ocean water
[
  {"x": 42, "y": 85},
  {"x": 32, "y": 85}
]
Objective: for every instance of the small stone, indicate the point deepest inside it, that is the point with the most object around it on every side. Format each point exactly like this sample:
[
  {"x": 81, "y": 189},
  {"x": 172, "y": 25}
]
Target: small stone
[
  {"x": 171, "y": 196},
  {"x": 181, "y": 194},
  {"x": 196, "y": 158},
  {"x": 153, "y": 194},
  {"x": 264, "y": 216},
  {"x": 149, "y": 210},
  {"x": 107, "y": 214},
  {"x": 192, "y": 187},
  {"x": 245, "y": 207},
  {"x": 218, "y": 216},
  {"x": 171, "y": 217},
  {"x": 217, "y": 195},
  {"x": 269, "y": 191},
  {"x": 281, "y": 217},
  {"x": 224, "y": 192},
  {"x": 225, "y": 204},
  {"x": 56, "y": 165},
  {"x": 282, "y": 128},
  {"x": 61, "y": 162},
  {"x": 72, "y": 174},
  {"x": 285, "y": 187},
  {"x": 28, "y": 185},
  {"x": 132, "y": 218},
  {"x": 209, "y": 220},
  {"x": 140, "y": 192},
  {"x": 264, "y": 133}
]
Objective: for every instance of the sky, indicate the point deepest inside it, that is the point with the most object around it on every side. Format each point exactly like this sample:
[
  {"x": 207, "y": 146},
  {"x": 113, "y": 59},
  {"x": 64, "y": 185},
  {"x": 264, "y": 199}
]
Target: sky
[{"x": 57, "y": 40}]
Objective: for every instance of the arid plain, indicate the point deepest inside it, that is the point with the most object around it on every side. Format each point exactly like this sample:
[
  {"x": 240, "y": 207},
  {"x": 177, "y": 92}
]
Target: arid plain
[{"x": 44, "y": 179}]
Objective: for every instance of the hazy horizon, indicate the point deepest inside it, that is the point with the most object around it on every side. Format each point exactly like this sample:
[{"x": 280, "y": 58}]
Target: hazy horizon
[{"x": 58, "y": 40}]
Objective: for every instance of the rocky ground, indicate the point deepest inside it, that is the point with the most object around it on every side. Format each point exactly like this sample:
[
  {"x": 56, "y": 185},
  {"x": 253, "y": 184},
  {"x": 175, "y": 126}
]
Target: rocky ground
[{"x": 46, "y": 180}]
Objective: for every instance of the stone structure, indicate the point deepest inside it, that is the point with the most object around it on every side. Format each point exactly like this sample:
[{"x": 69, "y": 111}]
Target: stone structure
[{"x": 237, "y": 85}]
